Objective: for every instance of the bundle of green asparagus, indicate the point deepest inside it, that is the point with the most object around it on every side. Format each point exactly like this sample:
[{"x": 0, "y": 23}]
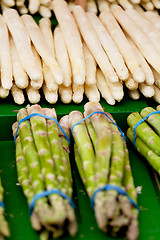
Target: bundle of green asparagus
[
  {"x": 4, "y": 228},
  {"x": 102, "y": 160},
  {"x": 146, "y": 136},
  {"x": 42, "y": 159}
]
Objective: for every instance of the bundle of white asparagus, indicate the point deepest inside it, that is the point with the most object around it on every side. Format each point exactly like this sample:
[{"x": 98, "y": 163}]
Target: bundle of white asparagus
[{"x": 85, "y": 54}]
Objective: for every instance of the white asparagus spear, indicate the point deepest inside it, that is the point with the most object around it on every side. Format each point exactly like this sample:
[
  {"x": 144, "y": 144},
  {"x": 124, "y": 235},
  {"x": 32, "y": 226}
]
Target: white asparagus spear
[
  {"x": 23, "y": 9},
  {"x": 19, "y": 3},
  {"x": 90, "y": 65},
  {"x": 139, "y": 38},
  {"x": 123, "y": 45},
  {"x": 156, "y": 95},
  {"x": 131, "y": 84},
  {"x": 149, "y": 78},
  {"x": 17, "y": 94},
  {"x": 62, "y": 56},
  {"x": 135, "y": 1},
  {"x": 148, "y": 6},
  {"x": 109, "y": 46},
  {"x": 44, "y": 11},
  {"x": 33, "y": 6},
  {"x": 72, "y": 39},
  {"x": 5, "y": 56},
  {"x": 147, "y": 91},
  {"x": 9, "y": 3},
  {"x": 138, "y": 8},
  {"x": 104, "y": 89},
  {"x": 156, "y": 77},
  {"x": 102, "y": 5},
  {"x": 71, "y": 3},
  {"x": 78, "y": 91},
  {"x": 33, "y": 94},
  {"x": 156, "y": 3},
  {"x": 19, "y": 74},
  {"x": 153, "y": 18},
  {"x": 134, "y": 94},
  {"x": 48, "y": 78},
  {"x": 50, "y": 96},
  {"x": 93, "y": 43},
  {"x": 82, "y": 3},
  {"x": 3, "y": 6},
  {"x": 65, "y": 94},
  {"x": 92, "y": 93},
  {"x": 91, "y": 6},
  {"x": 41, "y": 47},
  {"x": 116, "y": 89},
  {"x": 125, "y": 4},
  {"x": 3, "y": 92},
  {"x": 23, "y": 43}
]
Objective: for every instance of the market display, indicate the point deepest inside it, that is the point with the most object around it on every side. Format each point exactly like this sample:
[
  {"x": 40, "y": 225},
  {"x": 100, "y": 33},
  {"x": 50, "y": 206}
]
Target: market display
[
  {"x": 146, "y": 134},
  {"x": 42, "y": 160},
  {"x": 102, "y": 159}
]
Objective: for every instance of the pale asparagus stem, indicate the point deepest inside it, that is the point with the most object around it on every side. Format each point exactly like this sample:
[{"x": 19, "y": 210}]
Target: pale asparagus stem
[
  {"x": 5, "y": 56},
  {"x": 72, "y": 39},
  {"x": 102, "y": 5},
  {"x": 90, "y": 65},
  {"x": 145, "y": 46},
  {"x": 33, "y": 6},
  {"x": 120, "y": 40},
  {"x": 50, "y": 96},
  {"x": 17, "y": 94},
  {"x": 91, "y": 132},
  {"x": 125, "y": 4},
  {"x": 62, "y": 56},
  {"x": 19, "y": 75},
  {"x": 23, "y": 177},
  {"x": 146, "y": 90},
  {"x": 9, "y": 3},
  {"x": 85, "y": 149},
  {"x": 148, "y": 6},
  {"x": 78, "y": 91},
  {"x": 19, "y": 3},
  {"x": 48, "y": 78},
  {"x": 109, "y": 47},
  {"x": 93, "y": 43},
  {"x": 91, "y": 6},
  {"x": 92, "y": 93},
  {"x": 23, "y": 43},
  {"x": 134, "y": 94},
  {"x": 156, "y": 77},
  {"x": 44, "y": 235},
  {"x": 45, "y": 11},
  {"x": 65, "y": 94},
  {"x": 41, "y": 47},
  {"x": 131, "y": 84},
  {"x": 33, "y": 94},
  {"x": 23, "y": 9},
  {"x": 82, "y": 3},
  {"x": 153, "y": 18},
  {"x": 38, "y": 125},
  {"x": 156, "y": 95},
  {"x": 3, "y": 92},
  {"x": 103, "y": 88}
]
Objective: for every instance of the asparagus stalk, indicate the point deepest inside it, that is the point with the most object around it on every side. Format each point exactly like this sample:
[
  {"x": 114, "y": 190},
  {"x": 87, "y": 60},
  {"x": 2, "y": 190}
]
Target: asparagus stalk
[{"x": 148, "y": 136}]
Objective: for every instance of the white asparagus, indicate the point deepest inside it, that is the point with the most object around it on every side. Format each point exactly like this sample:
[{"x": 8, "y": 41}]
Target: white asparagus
[
  {"x": 23, "y": 9},
  {"x": 78, "y": 91},
  {"x": 134, "y": 94},
  {"x": 123, "y": 45},
  {"x": 62, "y": 56},
  {"x": 44, "y": 11},
  {"x": 131, "y": 84},
  {"x": 149, "y": 78},
  {"x": 116, "y": 90},
  {"x": 91, "y": 6},
  {"x": 92, "y": 93},
  {"x": 33, "y": 6},
  {"x": 148, "y": 6},
  {"x": 37, "y": 84},
  {"x": 3, "y": 6},
  {"x": 139, "y": 38},
  {"x": 19, "y": 3},
  {"x": 19, "y": 74},
  {"x": 41, "y": 47},
  {"x": 9, "y": 3},
  {"x": 156, "y": 95},
  {"x": 23, "y": 43},
  {"x": 104, "y": 89},
  {"x": 65, "y": 94},
  {"x": 3, "y": 92},
  {"x": 125, "y": 4},
  {"x": 156, "y": 3},
  {"x": 109, "y": 46},
  {"x": 72, "y": 39},
  {"x": 5, "y": 56},
  {"x": 50, "y": 96},
  {"x": 82, "y": 3},
  {"x": 71, "y": 3},
  {"x": 153, "y": 18},
  {"x": 90, "y": 65},
  {"x": 93, "y": 44},
  {"x": 48, "y": 78},
  {"x": 17, "y": 94},
  {"x": 33, "y": 94},
  {"x": 102, "y": 5},
  {"x": 147, "y": 91},
  {"x": 135, "y": 1},
  {"x": 139, "y": 9},
  {"x": 156, "y": 77}
]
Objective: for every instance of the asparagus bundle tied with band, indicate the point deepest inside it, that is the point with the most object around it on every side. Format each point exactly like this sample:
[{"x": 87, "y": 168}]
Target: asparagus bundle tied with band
[
  {"x": 103, "y": 163},
  {"x": 146, "y": 135},
  {"x": 42, "y": 159}
]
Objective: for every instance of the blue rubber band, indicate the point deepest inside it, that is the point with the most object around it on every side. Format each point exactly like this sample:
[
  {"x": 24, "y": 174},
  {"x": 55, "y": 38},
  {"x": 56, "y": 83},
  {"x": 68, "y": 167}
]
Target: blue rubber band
[
  {"x": 2, "y": 205},
  {"x": 103, "y": 114},
  {"x": 116, "y": 188},
  {"x": 47, "y": 193},
  {"x": 138, "y": 123},
  {"x": 44, "y": 116}
]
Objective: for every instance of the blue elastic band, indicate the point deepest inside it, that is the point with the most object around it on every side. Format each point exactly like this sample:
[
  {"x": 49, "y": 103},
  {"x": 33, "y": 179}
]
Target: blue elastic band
[
  {"x": 40, "y": 115},
  {"x": 2, "y": 205},
  {"x": 116, "y": 188},
  {"x": 103, "y": 114},
  {"x": 47, "y": 193},
  {"x": 138, "y": 123}
]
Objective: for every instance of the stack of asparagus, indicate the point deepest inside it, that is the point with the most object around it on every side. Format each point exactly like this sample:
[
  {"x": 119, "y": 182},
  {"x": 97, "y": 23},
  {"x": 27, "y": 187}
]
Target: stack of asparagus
[
  {"x": 147, "y": 135},
  {"x": 102, "y": 158},
  {"x": 4, "y": 228},
  {"x": 42, "y": 159}
]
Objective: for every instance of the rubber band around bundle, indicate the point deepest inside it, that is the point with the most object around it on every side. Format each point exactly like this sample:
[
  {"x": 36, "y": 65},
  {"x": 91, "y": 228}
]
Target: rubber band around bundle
[
  {"x": 2, "y": 205},
  {"x": 138, "y": 123},
  {"x": 116, "y": 188},
  {"x": 44, "y": 116},
  {"x": 47, "y": 193},
  {"x": 103, "y": 114}
]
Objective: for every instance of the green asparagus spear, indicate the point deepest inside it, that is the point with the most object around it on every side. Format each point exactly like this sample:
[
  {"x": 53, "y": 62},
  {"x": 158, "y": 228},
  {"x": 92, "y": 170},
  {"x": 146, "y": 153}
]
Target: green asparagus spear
[{"x": 143, "y": 131}]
